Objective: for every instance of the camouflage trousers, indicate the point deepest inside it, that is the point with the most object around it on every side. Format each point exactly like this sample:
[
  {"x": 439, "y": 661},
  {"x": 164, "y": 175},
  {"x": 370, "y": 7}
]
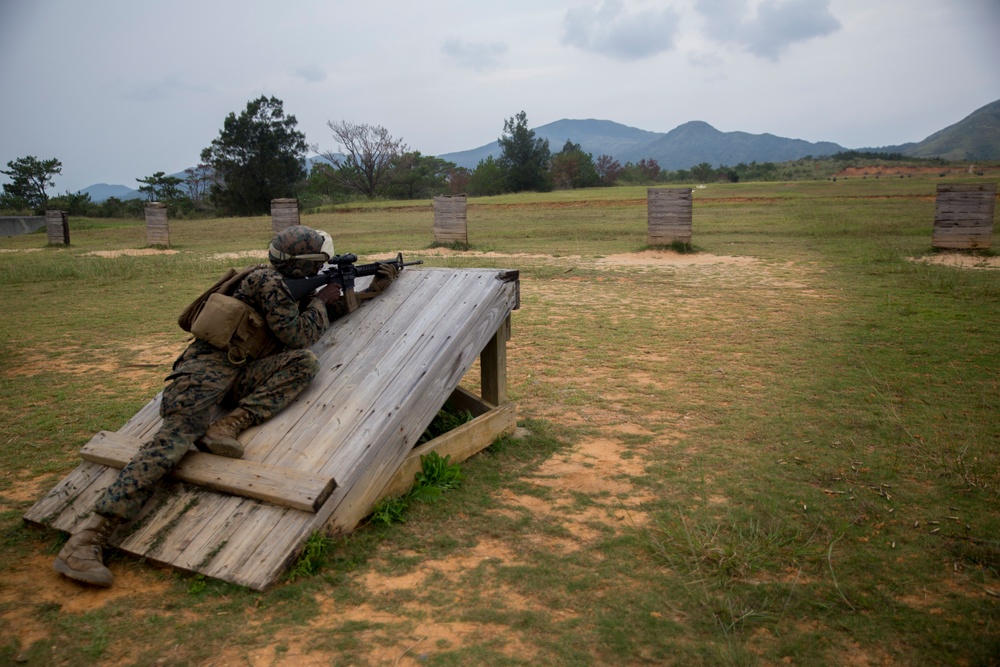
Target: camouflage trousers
[{"x": 203, "y": 377}]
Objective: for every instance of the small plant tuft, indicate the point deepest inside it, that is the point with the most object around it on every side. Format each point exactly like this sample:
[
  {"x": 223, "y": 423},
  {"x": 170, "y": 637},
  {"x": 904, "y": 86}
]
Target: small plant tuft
[
  {"x": 312, "y": 558},
  {"x": 436, "y": 476}
]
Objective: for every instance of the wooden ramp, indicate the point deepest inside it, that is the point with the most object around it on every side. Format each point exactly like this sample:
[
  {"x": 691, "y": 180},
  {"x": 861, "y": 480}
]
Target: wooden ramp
[{"x": 325, "y": 460}]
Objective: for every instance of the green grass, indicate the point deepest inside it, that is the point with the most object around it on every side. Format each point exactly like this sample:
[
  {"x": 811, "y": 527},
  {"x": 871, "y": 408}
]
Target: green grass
[{"x": 793, "y": 458}]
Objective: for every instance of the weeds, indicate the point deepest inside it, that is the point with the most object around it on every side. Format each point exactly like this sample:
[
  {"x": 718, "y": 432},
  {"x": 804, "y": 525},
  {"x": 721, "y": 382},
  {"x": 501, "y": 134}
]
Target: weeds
[
  {"x": 312, "y": 558},
  {"x": 731, "y": 550},
  {"x": 436, "y": 476}
]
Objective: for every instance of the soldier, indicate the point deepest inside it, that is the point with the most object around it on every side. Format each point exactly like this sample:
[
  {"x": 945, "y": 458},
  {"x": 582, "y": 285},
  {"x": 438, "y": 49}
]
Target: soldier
[{"x": 259, "y": 381}]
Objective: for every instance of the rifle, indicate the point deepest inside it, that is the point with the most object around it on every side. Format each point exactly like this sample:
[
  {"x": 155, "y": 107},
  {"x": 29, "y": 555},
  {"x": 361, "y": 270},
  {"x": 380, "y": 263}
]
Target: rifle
[{"x": 342, "y": 270}]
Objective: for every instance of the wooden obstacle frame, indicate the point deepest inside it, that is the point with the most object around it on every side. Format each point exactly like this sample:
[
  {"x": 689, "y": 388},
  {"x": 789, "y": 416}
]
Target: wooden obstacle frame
[
  {"x": 157, "y": 227},
  {"x": 963, "y": 216},
  {"x": 346, "y": 442},
  {"x": 669, "y": 215}
]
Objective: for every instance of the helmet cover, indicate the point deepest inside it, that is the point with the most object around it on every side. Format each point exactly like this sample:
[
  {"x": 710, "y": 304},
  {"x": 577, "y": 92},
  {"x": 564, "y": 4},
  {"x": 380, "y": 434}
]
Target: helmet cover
[{"x": 297, "y": 251}]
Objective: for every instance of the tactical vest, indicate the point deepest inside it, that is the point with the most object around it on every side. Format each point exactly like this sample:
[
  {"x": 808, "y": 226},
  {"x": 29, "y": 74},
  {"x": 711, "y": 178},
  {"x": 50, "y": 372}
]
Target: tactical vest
[{"x": 225, "y": 322}]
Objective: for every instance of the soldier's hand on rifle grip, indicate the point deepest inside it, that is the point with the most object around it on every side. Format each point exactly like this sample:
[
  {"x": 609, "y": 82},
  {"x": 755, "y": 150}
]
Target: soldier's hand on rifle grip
[
  {"x": 330, "y": 293},
  {"x": 386, "y": 274}
]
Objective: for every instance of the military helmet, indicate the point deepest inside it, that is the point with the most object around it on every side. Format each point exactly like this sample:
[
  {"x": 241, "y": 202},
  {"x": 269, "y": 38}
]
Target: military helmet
[{"x": 299, "y": 251}]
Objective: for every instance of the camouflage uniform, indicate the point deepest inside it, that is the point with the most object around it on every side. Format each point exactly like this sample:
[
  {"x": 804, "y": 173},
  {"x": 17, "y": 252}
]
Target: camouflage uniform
[{"x": 203, "y": 376}]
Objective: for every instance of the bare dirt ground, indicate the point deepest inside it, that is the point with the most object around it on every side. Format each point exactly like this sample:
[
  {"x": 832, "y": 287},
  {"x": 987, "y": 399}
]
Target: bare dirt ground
[
  {"x": 644, "y": 258},
  {"x": 961, "y": 260}
]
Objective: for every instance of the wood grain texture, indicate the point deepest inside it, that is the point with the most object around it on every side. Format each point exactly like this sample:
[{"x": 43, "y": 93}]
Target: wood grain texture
[{"x": 249, "y": 479}]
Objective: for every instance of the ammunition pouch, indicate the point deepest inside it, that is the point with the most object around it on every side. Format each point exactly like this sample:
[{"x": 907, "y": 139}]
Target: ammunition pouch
[{"x": 234, "y": 327}]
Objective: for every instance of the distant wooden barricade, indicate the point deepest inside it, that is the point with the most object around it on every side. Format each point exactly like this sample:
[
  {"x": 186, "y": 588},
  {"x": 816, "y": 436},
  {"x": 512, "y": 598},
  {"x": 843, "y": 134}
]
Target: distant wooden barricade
[
  {"x": 668, "y": 212},
  {"x": 284, "y": 213},
  {"x": 57, "y": 227},
  {"x": 963, "y": 215},
  {"x": 157, "y": 229},
  {"x": 450, "y": 219}
]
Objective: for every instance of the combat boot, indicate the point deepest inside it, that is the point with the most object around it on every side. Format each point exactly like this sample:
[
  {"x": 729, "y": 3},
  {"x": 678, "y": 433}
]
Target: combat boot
[
  {"x": 220, "y": 438},
  {"x": 81, "y": 557}
]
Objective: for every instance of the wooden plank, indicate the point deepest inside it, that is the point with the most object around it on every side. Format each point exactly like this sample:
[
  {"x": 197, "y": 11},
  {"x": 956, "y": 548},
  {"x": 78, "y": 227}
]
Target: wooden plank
[
  {"x": 316, "y": 418},
  {"x": 350, "y": 394},
  {"x": 273, "y": 555},
  {"x": 402, "y": 369},
  {"x": 459, "y": 443},
  {"x": 157, "y": 520},
  {"x": 388, "y": 437},
  {"x": 493, "y": 366},
  {"x": 281, "y": 486},
  {"x": 236, "y": 563},
  {"x": 463, "y": 399},
  {"x": 54, "y": 509}
]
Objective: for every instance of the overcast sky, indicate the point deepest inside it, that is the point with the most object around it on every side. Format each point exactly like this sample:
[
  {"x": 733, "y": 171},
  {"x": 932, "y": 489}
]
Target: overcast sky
[{"x": 118, "y": 90}]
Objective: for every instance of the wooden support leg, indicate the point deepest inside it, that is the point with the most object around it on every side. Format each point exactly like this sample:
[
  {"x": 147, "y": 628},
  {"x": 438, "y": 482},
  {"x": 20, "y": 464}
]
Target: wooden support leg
[{"x": 493, "y": 366}]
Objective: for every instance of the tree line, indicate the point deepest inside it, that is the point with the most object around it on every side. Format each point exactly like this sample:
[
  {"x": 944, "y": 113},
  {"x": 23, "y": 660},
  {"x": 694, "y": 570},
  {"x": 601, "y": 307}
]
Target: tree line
[{"x": 260, "y": 155}]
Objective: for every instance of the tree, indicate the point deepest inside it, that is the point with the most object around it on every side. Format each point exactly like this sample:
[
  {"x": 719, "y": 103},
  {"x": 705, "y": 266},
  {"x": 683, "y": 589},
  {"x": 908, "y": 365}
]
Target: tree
[
  {"x": 702, "y": 172},
  {"x": 572, "y": 168},
  {"x": 488, "y": 178},
  {"x": 198, "y": 181},
  {"x": 643, "y": 172},
  {"x": 74, "y": 203},
  {"x": 258, "y": 156},
  {"x": 29, "y": 177},
  {"x": 367, "y": 159},
  {"x": 417, "y": 176},
  {"x": 160, "y": 187},
  {"x": 524, "y": 157},
  {"x": 608, "y": 170},
  {"x": 458, "y": 180}
]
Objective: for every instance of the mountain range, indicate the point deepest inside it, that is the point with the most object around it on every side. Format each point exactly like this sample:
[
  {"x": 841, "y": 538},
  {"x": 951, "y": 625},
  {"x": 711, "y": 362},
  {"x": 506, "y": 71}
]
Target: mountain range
[{"x": 975, "y": 137}]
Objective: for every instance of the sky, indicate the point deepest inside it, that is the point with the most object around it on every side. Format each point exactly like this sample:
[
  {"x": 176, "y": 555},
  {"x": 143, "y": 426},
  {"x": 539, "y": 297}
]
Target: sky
[{"x": 119, "y": 90}]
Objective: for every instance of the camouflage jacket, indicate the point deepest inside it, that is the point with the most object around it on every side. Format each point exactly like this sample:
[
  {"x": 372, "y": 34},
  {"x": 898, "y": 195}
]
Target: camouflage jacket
[{"x": 293, "y": 326}]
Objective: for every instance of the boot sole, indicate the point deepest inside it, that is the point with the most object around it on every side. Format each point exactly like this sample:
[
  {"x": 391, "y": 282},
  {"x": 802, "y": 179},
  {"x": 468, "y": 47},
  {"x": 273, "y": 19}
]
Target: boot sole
[{"x": 85, "y": 577}]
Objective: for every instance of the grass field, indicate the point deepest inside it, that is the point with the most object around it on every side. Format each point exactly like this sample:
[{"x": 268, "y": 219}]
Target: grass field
[{"x": 782, "y": 448}]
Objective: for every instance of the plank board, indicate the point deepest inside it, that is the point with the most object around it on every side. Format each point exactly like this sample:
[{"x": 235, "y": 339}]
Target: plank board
[
  {"x": 240, "y": 477},
  {"x": 385, "y": 371}
]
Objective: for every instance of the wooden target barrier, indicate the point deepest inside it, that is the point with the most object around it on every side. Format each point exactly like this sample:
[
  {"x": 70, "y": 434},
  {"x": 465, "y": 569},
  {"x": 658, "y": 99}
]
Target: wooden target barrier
[
  {"x": 450, "y": 219},
  {"x": 284, "y": 213},
  {"x": 668, "y": 212},
  {"x": 963, "y": 215},
  {"x": 157, "y": 229},
  {"x": 57, "y": 227}
]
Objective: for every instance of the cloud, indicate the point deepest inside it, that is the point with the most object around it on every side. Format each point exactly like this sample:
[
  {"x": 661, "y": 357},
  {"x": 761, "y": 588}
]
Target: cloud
[
  {"x": 771, "y": 27},
  {"x": 613, "y": 30},
  {"x": 474, "y": 55},
  {"x": 167, "y": 88},
  {"x": 311, "y": 73}
]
